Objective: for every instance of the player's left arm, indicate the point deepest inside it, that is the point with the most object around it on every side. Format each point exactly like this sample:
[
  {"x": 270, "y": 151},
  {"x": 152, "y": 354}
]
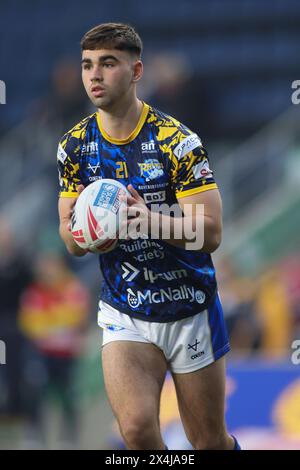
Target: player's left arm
[
  {"x": 204, "y": 211},
  {"x": 199, "y": 229},
  {"x": 197, "y": 194},
  {"x": 200, "y": 226}
]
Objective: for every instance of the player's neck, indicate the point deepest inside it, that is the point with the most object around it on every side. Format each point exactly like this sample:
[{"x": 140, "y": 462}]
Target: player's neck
[{"x": 119, "y": 123}]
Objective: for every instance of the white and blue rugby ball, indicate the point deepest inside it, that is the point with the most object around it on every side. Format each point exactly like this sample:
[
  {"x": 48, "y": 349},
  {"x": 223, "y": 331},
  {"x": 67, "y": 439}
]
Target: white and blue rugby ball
[{"x": 96, "y": 218}]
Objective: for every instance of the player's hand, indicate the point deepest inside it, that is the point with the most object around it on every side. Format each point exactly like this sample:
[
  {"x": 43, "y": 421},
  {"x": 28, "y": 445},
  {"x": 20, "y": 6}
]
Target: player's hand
[{"x": 137, "y": 216}]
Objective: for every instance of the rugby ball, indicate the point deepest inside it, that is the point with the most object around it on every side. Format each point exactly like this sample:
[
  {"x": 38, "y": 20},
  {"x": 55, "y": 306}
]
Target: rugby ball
[{"x": 96, "y": 217}]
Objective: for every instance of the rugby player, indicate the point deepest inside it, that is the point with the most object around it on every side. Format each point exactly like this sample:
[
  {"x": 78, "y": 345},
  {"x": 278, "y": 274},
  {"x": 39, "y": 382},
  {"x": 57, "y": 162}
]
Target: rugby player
[{"x": 159, "y": 306}]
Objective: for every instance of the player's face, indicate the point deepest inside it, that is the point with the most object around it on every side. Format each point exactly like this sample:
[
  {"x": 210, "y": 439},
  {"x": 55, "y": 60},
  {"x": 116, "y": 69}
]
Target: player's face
[{"x": 109, "y": 75}]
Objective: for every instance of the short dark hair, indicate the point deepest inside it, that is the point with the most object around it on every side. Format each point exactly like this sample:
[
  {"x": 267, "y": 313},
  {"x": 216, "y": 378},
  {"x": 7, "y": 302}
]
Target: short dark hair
[{"x": 112, "y": 36}]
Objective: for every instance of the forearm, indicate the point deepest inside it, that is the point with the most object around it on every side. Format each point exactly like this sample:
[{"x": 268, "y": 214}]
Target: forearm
[
  {"x": 198, "y": 233},
  {"x": 67, "y": 238}
]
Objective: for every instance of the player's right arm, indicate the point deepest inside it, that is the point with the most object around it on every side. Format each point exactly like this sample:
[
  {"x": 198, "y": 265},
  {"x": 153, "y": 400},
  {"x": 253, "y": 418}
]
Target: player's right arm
[
  {"x": 65, "y": 209},
  {"x": 70, "y": 188}
]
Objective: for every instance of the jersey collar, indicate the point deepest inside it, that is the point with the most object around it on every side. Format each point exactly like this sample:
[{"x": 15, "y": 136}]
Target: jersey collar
[{"x": 133, "y": 134}]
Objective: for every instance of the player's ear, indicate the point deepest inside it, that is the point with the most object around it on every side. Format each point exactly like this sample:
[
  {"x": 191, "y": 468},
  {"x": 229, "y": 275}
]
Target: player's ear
[{"x": 137, "y": 71}]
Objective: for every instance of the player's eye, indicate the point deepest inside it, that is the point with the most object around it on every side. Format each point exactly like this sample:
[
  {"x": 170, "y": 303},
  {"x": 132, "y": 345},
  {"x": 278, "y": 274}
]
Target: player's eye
[
  {"x": 108, "y": 65},
  {"x": 86, "y": 66}
]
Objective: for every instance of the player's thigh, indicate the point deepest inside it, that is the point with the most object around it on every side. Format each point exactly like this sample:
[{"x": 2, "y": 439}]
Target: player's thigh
[
  {"x": 201, "y": 399},
  {"x": 134, "y": 374}
]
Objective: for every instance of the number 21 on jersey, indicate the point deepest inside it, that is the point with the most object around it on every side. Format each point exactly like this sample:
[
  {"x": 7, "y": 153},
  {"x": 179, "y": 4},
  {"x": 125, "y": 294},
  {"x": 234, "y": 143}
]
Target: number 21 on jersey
[{"x": 121, "y": 171}]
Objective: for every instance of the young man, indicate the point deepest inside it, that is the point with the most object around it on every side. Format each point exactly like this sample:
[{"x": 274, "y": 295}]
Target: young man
[{"x": 159, "y": 306}]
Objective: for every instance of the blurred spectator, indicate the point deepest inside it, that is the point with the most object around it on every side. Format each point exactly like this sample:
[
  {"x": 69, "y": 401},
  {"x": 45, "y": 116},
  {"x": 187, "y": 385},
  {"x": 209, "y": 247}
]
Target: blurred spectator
[
  {"x": 263, "y": 313},
  {"x": 14, "y": 278},
  {"x": 237, "y": 295},
  {"x": 275, "y": 313},
  {"x": 53, "y": 316},
  {"x": 290, "y": 271},
  {"x": 66, "y": 102},
  {"x": 171, "y": 85}
]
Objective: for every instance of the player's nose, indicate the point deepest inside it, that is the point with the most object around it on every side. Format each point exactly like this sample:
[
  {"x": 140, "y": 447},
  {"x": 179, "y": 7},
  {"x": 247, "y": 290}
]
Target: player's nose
[{"x": 96, "y": 74}]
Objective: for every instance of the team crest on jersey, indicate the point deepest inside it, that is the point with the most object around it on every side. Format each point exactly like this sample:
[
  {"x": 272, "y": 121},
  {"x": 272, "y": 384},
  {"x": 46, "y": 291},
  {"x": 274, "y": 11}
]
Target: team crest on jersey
[{"x": 151, "y": 169}]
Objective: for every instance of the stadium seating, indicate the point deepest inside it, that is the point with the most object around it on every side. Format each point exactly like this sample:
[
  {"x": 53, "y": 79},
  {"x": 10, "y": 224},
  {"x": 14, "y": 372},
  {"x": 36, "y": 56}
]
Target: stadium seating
[{"x": 247, "y": 42}]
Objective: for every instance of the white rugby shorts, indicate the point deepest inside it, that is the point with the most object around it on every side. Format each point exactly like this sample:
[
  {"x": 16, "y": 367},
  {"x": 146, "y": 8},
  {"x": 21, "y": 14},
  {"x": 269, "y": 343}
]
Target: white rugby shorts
[{"x": 188, "y": 344}]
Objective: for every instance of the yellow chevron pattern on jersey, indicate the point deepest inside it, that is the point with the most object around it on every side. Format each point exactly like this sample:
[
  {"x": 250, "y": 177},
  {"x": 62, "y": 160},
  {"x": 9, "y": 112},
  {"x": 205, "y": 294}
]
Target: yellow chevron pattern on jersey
[
  {"x": 71, "y": 144},
  {"x": 170, "y": 134}
]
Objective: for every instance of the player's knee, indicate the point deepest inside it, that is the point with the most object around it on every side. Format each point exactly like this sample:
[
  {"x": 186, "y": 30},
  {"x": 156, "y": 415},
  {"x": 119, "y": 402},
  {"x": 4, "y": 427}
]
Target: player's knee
[{"x": 138, "y": 431}]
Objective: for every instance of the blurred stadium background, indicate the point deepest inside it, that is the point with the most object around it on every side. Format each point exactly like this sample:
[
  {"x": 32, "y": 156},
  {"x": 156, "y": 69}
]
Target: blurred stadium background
[{"x": 223, "y": 67}]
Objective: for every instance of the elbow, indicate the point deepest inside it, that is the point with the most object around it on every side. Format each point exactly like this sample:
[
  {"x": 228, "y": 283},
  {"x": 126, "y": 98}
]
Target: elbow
[
  {"x": 75, "y": 250},
  {"x": 213, "y": 243},
  {"x": 72, "y": 248}
]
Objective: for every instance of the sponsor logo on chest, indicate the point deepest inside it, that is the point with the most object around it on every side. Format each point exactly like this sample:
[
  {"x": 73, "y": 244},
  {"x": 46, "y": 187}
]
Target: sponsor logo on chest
[
  {"x": 90, "y": 148},
  {"x": 148, "y": 147},
  {"x": 159, "y": 196}
]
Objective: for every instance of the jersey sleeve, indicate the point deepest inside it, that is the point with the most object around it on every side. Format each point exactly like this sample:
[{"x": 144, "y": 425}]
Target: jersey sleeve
[
  {"x": 68, "y": 165},
  {"x": 191, "y": 172}
]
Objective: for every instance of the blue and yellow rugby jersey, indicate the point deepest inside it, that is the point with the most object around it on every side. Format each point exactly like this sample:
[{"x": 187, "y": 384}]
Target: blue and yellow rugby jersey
[{"x": 164, "y": 161}]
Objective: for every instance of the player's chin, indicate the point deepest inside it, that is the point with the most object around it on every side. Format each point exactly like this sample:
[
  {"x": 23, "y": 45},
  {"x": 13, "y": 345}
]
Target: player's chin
[{"x": 101, "y": 102}]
